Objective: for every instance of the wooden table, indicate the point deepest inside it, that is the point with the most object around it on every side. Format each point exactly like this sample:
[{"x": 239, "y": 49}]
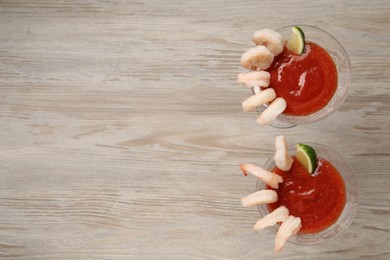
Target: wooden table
[{"x": 121, "y": 128}]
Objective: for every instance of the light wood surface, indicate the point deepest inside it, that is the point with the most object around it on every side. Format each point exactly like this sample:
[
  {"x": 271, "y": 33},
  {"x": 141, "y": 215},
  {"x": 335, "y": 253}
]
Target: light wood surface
[{"x": 121, "y": 128}]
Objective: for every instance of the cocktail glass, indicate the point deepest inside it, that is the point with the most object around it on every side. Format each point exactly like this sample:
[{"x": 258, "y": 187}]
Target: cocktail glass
[
  {"x": 351, "y": 204},
  {"x": 341, "y": 60}
]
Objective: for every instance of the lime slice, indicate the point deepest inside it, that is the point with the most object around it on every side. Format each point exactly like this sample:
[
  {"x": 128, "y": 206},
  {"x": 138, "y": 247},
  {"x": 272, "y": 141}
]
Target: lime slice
[
  {"x": 296, "y": 41},
  {"x": 307, "y": 156}
]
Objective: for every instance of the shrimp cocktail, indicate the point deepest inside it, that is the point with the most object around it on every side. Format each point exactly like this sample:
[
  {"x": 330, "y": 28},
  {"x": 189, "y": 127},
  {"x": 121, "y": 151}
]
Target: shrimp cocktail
[
  {"x": 305, "y": 193},
  {"x": 298, "y": 74}
]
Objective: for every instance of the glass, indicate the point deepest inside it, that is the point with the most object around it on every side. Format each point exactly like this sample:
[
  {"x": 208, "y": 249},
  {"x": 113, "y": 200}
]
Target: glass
[
  {"x": 351, "y": 204},
  {"x": 340, "y": 58}
]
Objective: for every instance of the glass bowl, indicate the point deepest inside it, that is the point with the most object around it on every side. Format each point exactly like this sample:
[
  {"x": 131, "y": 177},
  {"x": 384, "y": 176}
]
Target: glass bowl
[
  {"x": 341, "y": 60},
  {"x": 351, "y": 204}
]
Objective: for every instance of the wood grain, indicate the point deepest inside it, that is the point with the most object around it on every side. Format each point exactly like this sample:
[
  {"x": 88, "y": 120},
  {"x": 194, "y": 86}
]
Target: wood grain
[{"x": 121, "y": 128}]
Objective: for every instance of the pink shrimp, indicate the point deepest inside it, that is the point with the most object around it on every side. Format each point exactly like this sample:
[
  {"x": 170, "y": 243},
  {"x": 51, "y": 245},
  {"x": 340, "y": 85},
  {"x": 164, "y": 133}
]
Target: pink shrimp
[
  {"x": 271, "y": 39},
  {"x": 259, "y": 197},
  {"x": 288, "y": 228},
  {"x": 272, "y": 111},
  {"x": 254, "y": 78},
  {"x": 282, "y": 160},
  {"x": 270, "y": 178},
  {"x": 257, "y": 58},
  {"x": 258, "y": 99},
  {"x": 278, "y": 215}
]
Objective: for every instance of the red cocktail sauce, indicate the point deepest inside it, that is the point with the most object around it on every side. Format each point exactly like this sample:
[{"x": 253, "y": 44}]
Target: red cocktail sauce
[
  {"x": 317, "y": 199},
  {"x": 307, "y": 82}
]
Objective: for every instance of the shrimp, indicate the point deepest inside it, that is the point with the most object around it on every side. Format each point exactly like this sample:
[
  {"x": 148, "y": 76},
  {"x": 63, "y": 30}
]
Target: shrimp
[
  {"x": 258, "y": 99},
  {"x": 270, "y": 178},
  {"x": 278, "y": 215},
  {"x": 271, "y": 39},
  {"x": 259, "y": 197},
  {"x": 254, "y": 78},
  {"x": 288, "y": 228},
  {"x": 282, "y": 160},
  {"x": 258, "y": 58},
  {"x": 272, "y": 111}
]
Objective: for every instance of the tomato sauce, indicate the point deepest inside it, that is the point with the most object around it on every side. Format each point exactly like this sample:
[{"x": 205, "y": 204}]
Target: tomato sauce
[
  {"x": 307, "y": 82},
  {"x": 317, "y": 199}
]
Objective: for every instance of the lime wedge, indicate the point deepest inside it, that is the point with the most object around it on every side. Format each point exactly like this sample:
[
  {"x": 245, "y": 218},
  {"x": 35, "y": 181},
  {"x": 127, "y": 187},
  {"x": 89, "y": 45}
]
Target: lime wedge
[
  {"x": 307, "y": 156},
  {"x": 296, "y": 41}
]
